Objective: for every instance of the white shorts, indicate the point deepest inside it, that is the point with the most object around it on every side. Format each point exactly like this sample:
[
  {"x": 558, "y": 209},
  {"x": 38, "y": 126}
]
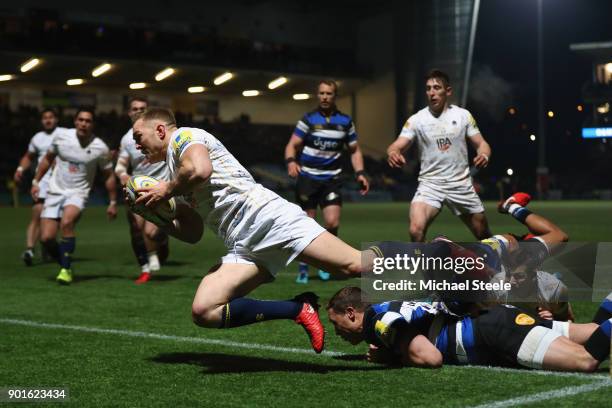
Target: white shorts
[
  {"x": 460, "y": 199},
  {"x": 43, "y": 188},
  {"x": 55, "y": 203},
  {"x": 279, "y": 233}
]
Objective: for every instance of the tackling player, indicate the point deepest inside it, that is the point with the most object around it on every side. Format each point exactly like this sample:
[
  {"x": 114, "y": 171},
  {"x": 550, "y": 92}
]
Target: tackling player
[
  {"x": 427, "y": 335},
  {"x": 77, "y": 154},
  {"x": 39, "y": 144},
  {"x": 147, "y": 239},
  {"x": 440, "y": 132},
  {"x": 508, "y": 258},
  {"x": 319, "y": 139},
  {"x": 547, "y": 295},
  {"x": 261, "y": 231}
]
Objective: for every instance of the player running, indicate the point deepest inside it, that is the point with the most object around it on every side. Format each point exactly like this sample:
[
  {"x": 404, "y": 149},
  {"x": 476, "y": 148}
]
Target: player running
[
  {"x": 147, "y": 239},
  {"x": 39, "y": 144},
  {"x": 428, "y": 335},
  {"x": 319, "y": 139},
  {"x": 261, "y": 231},
  {"x": 440, "y": 132},
  {"x": 77, "y": 154}
]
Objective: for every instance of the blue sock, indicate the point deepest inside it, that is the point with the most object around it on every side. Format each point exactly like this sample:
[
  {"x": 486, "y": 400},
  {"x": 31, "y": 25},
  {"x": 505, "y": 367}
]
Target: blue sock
[
  {"x": 598, "y": 345},
  {"x": 66, "y": 249},
  {"x": 243, "y": 311},
  {"x": 52, "y": 249},
  {"x": 138, "y": 246},
  {"x": 303, "y": 268},
  {"x": 605, "y": 310}
]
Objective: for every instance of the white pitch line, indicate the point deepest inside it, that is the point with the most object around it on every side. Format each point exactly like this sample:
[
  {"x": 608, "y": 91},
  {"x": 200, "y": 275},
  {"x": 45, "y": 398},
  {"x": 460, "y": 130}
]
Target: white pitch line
[
  {"x": 582, "y": 376},
  {"x": 546, "y": 395},
  {"x": 156, "y": 336},
  {"x": 256, "y": 346}
]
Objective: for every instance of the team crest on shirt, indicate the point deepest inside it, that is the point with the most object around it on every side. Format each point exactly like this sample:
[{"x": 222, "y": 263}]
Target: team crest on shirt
[
  {"x": 524, "y": 320},
  {"x": 181, "y": 141}
]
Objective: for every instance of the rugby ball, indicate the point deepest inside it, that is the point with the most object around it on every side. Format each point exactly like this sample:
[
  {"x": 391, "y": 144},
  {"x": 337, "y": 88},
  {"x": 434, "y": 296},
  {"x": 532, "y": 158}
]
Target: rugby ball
[{"x": 162, "y": 214}]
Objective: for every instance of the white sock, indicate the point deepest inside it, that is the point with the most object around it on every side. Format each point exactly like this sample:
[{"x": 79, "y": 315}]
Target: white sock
[
  {"x": 144, "y": 268},
  {"x": 154, "y": 262},
  {"x": 513, "y": 207}
]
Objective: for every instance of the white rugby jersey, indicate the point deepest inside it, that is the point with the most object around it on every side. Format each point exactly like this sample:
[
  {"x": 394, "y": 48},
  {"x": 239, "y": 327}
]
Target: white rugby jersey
[
  {"x": 128, "y": 150},
  {"x": 75, "y": 165},
  {"x": 231, "y": 198},
  {"x": 39, "y": 145},
  {"x": 441, "y": 143}
]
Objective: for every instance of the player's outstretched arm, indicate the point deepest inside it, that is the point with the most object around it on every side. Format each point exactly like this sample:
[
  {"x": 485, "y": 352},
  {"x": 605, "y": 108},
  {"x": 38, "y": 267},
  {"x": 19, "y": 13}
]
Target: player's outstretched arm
[
  {"x": 111, "y": 188},
  {"x": 483, "y": 150},
  {"x": 294, "y": 146},
  {"x": 24, "y": 164},
  {"x": 418, "y": 351},
  {"x": 187, "y": 225},
  {"x": 359, "y": 168},
  {"x": 395, "y": 152}
]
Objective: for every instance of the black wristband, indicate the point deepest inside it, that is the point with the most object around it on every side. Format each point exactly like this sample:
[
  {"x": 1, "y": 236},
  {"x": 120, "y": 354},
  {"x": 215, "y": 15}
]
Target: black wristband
[
  {"x": 361, "y": 173},
  {"x": 290, "y": 160}
]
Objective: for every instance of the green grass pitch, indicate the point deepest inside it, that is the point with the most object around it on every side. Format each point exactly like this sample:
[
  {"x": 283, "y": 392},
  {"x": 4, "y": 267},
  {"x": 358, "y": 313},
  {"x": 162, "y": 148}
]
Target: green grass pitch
[{"x": 113, "y": 343}]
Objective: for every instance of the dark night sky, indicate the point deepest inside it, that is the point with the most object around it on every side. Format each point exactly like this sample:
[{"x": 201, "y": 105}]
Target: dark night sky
[
  {"x": 506, "y": 42},
  {"x": 505, "y": 50}
]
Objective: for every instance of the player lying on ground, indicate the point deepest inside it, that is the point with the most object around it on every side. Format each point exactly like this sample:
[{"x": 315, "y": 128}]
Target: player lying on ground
[
  {"x": 426, "y": 335},
  {"x": 548, "y": 294},
  {"x": 508, "y": 258},
  {"x": 261, "y": 231}
]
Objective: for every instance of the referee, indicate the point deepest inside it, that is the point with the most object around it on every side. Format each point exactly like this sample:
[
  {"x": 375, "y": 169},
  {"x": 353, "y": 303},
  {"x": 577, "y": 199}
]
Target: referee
[{"x": 314, "y": 156}]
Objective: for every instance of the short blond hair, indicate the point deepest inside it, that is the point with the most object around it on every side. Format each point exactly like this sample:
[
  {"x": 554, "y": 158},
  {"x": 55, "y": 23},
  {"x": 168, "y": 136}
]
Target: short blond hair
[{"x": 162, "y": 114}]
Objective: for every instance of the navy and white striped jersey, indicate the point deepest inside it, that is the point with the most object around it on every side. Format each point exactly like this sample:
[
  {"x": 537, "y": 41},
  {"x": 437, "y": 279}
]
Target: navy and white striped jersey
[
  {"x": 324, "y": 138},
  {"x": 453, "y": 336}
]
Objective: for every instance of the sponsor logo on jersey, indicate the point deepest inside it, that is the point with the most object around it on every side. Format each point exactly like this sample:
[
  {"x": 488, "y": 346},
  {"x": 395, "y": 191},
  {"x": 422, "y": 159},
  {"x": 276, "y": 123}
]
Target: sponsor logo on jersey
[
  {"x": 325, "y": 144},
  {"x": 524, "y": 320},
  {"x": 181, "y": 141},
  {"x": 444, "y": 143},
  {"x": 73, "y": 167}
]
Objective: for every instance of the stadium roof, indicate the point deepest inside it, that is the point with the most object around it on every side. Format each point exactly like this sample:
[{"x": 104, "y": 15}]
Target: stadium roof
[{"x": 56, "y": 69}]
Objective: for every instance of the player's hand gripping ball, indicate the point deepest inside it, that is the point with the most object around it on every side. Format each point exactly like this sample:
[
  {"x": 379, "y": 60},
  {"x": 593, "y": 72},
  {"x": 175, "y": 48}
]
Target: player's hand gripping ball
[{"x": 160, "y": 215}]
